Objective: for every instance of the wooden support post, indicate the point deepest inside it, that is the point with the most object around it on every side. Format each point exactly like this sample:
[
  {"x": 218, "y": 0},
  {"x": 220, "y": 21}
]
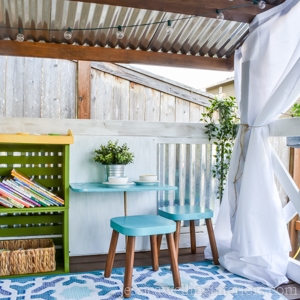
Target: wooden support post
[
  {"x": 294, "y": 170},
  {"x": 84, "y": 90}
]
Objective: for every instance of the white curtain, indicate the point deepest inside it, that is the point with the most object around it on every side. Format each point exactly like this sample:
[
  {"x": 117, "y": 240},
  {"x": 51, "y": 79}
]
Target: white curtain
[{"x": 251, "y": 232}]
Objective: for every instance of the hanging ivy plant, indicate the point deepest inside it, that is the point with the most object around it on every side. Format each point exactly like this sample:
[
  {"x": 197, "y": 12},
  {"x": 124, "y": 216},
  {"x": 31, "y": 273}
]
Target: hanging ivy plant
[{"x": 221, "y": 123}]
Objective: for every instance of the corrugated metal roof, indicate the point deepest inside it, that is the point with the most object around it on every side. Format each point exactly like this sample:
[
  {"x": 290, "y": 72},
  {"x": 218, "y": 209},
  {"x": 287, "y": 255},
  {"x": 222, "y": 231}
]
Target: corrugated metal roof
[{"x": 96, "y": 25}]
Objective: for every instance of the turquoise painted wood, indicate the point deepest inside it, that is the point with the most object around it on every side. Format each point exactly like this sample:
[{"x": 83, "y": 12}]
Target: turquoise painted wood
[
  {"x": 185, "y": 213},
  {"x": 142, "y": 225},
  {"x": 99, "y": 187}
]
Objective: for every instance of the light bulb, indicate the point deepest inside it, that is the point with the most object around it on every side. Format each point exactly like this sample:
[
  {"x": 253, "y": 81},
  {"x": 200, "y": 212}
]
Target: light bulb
[
  {"x": 68, "y": 34},
  {"x": 220, "y": 16},
  {"x": 169, "y": 28},
  {"x": 261, "y": 4},
  {"x": 120, "y": 33},
  {"x": 20, "y": 36}
]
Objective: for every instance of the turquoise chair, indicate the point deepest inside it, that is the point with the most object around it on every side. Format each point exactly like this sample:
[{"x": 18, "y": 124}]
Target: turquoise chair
[
  {"x": 141, "y": 225},
  {"x": 190, "y": 213}
]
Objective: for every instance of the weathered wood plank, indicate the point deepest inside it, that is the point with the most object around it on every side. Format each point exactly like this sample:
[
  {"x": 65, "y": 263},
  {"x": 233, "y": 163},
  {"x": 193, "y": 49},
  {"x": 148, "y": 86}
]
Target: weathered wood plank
[
  {"x": 167, "y": 108},
  {"x": 32, "y": 87},
  {"x": 101, "y": 94},
  {"x": 137, "y": 96},
  {"x": 68, "y": 89},
  {"x": 196, "y": 112},
  {"x": 182, "y": 111},
  {"x": 152, "y": 109},
  {"x": 15, "y": 87},
  {"x": 120, "y": 102},
  {"x": 3, "y": 79},
  {"x": 105, "y": 128},
  {"x": 155, "y": 82},
  {"x": 84, "y": 90}
]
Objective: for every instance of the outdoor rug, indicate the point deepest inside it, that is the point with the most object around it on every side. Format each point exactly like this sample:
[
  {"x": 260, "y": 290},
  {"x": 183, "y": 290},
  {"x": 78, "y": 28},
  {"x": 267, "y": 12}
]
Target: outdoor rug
[{"x": 201, "y": 280}]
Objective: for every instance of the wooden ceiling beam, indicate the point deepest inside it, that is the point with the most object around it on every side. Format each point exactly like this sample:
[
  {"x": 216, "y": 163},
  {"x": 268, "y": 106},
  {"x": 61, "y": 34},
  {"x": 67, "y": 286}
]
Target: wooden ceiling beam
[
  {"x": 72, "y": 52},
  {"x": 239, "y": 10}
]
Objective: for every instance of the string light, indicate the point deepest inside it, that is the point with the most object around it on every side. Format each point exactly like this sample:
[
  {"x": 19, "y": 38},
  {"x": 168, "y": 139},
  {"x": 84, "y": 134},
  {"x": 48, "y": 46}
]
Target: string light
[
  {"x": 169, "y": 28},
  {"x": 261, "y": 4},
  {"x": 220, "y": 15},
  {"x": 120, "y": 33},
  {"x": 20, "y": 36},
  {"x": 68, "y": 34}
]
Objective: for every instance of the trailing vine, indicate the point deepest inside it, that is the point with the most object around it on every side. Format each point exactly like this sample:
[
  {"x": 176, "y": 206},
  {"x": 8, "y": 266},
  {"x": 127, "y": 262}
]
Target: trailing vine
[{"x": 221, "y": 123}]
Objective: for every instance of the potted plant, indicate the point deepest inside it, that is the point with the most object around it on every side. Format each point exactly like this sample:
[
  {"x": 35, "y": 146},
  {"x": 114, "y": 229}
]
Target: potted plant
[
  {"x": 114, "y": 157},
  {"x": 222, "y": 130}
]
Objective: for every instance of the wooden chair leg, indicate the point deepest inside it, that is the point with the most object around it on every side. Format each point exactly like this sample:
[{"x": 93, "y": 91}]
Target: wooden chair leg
[
  {"x": 212, "y": 241},
  {"x": 128, "y": 266},
  {"x": 193, "y": 236},
  {"x": 154, "y": 252},
  {"x": 159, "y": 239},
  {"x": 111, "y": 253},
  {"x": 174, "y": 260},
  {"x": 177, "y": 236}
]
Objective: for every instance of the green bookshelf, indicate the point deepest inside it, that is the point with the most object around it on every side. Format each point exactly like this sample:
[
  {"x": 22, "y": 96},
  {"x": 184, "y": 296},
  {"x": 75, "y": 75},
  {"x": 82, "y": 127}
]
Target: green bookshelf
[{"x": 46, "y": 159}]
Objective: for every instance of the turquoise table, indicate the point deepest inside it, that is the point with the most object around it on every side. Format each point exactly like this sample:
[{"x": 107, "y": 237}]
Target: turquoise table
[{"x": 96, "y": 187}]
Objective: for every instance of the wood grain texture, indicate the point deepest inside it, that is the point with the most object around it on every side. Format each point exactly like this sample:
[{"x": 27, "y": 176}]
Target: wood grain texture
[
  {"x": 76, "y": 52},
  {"x": 84, "y": 90},
  {"x": 155, "y": 82}
]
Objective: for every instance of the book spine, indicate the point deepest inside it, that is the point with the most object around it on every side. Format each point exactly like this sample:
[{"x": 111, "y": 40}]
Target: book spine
[{"x": 10, "y": 195}]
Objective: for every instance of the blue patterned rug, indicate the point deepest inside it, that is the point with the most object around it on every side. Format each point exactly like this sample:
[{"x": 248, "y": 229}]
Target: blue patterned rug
[{"x": 201, "y": 280}]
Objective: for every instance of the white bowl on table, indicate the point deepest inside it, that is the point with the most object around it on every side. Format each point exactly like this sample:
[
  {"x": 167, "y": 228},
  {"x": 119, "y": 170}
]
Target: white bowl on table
[
  {"x": 148, "y": 177},
  {"x": 118, "y": 179}
]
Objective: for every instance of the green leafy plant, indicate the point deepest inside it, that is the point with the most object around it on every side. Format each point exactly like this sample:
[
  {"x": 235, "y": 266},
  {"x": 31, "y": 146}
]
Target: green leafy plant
[
  {"x": 113, "y": 154},
  {"x": 295, "y": 110},
  {"x": 221, "y": 118}
]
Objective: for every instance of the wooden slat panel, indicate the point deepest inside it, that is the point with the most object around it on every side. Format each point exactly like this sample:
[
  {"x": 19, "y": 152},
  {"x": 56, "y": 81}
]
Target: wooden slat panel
[
  {"x": 34, "y": 219},
  {"x": 15, "y": 87},
  {"x": 153, "y": 81},
  {"x": 119, "y": 106},
  {"x": 32, "y": 160},
  {"x": 84, "y": 90},
  {"x": 137, "y": 97},
  {"x": 182, "y": 111},
  {"x": 152, "y": 109},
  {"x": 25, "y": 231},
  {"x": 3, "y": 74},
  {"x": 101, "y": 95},
  {"x": 196, "y": 113},
  {"x": 33, "y": 74},
  {"x": 167, "y": 108}
]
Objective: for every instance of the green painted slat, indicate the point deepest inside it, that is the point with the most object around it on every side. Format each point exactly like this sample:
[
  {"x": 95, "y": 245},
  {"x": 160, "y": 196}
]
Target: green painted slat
[
  {"x": 30, "y": 219},
  {"x": 30, "y": 148},
  {"x": 30, "y": 231},
  {"x": 32, "y": 160}
]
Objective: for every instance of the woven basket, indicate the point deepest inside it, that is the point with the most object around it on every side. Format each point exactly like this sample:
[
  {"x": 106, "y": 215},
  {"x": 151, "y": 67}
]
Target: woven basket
[{"x": 27, "y": 256}]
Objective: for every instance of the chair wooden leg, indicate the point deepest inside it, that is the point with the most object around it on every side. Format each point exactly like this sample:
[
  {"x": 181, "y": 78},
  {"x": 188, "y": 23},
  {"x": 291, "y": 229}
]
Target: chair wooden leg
[
  {"x": 177, "y": 236},
  {"x": 128, "y": 266},
  {"x": 174, "y": 260},
  {"x": 154, "y": 252},
  {"x": 212, "y": 241},
  {"x": 193, "y": 236},
  {"x": 159, "y": 239},
  {"x": 111, "y": 253}
]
